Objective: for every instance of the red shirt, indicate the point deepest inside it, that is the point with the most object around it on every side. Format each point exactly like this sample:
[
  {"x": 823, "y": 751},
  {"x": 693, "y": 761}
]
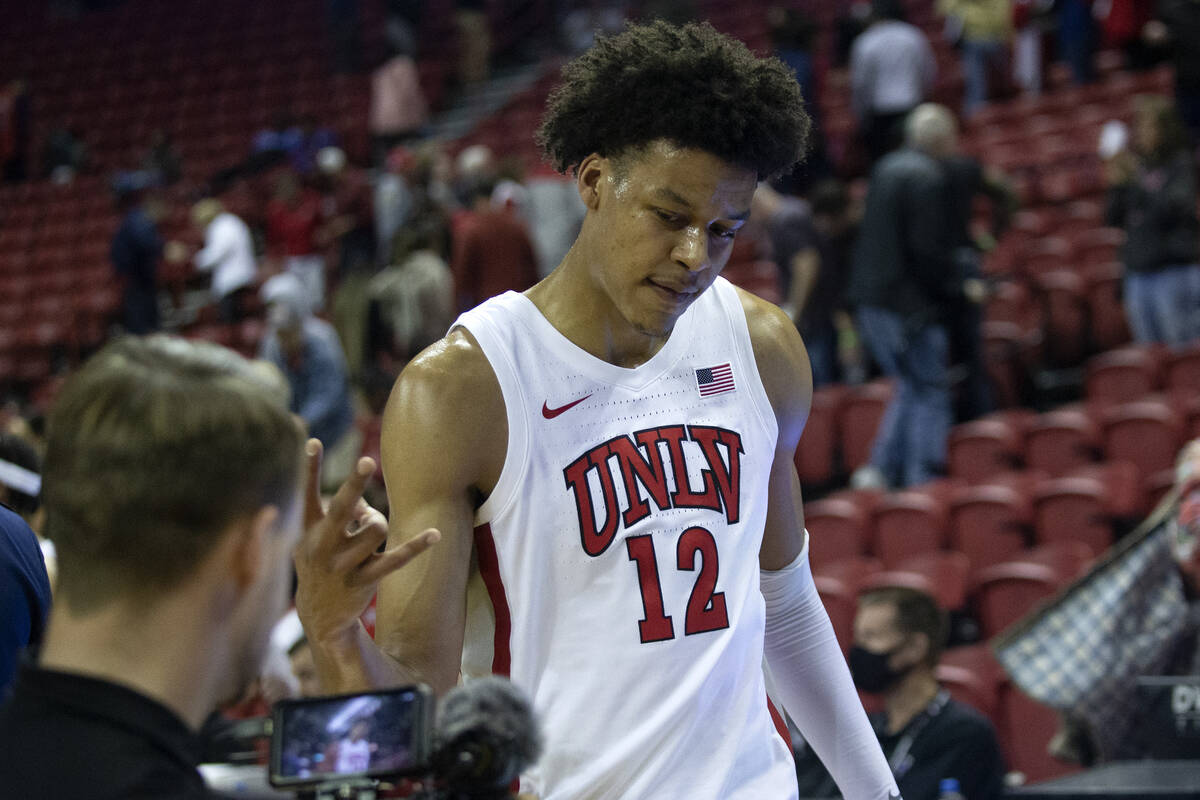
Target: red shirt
[
  {"x": 292, "y": 228},
  {"x": 492, "y": 255}
]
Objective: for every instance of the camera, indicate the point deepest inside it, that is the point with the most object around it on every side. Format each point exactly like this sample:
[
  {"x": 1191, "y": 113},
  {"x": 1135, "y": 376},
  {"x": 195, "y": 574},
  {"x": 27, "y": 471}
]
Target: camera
[
  {"x": 342, "y": 746},
  {"x": 347, "y": 739}
]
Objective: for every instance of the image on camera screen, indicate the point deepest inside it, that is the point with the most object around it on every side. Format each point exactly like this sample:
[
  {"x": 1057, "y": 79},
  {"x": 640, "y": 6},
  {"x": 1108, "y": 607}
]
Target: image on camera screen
[{"x": 367, "y": 734}]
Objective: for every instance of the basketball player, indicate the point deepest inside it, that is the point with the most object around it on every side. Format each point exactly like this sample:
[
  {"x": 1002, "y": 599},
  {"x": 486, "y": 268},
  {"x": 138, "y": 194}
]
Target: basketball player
[{"x": 608, "y": 457}]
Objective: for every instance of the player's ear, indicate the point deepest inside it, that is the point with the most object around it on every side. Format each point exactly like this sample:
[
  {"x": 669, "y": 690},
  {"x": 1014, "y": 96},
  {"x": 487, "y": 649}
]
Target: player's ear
[{"x": 590, "y": 173}]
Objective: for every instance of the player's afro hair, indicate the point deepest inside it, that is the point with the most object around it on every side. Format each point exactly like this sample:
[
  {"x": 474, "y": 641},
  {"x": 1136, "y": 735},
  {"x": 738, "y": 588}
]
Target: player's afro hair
[{"x": 690, "y": 85}]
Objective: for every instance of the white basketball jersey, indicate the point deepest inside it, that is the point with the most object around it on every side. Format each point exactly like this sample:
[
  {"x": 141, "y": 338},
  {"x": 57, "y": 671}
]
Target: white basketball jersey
[{"x": 618, "y": 580}]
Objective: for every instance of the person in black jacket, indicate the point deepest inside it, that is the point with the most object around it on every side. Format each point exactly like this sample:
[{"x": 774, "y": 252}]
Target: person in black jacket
[
  {"x": 174, "y": 485},
  {"x": 1152, "y": 195},
  {"x": 905, "y": 286},
  {"x": 927, "y": 736}
]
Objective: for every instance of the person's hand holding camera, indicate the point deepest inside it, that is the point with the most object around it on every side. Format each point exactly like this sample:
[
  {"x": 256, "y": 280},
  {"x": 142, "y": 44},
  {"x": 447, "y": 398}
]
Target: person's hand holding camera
[{"x": 338, "y": 561}]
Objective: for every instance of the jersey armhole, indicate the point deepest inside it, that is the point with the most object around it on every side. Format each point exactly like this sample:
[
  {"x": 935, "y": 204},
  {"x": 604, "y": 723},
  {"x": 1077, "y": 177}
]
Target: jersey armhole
[
  {"x": 740, "y": 328},
  {"x": 516, "y": 455}
]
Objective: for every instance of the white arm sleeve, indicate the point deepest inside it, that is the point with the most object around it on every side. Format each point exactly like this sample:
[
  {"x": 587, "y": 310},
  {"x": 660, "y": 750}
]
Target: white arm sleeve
[{"x": 814, "y": 684}]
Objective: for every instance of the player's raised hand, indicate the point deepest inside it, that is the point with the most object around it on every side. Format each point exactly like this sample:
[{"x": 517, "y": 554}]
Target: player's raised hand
[{"x": 338, "y": 560}]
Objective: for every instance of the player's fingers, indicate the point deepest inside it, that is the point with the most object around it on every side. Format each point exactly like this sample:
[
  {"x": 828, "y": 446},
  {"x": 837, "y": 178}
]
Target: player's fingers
[
  {"x": 379, "y": 565},
  {"x": 342, "y": 508},
  {"x": 362, "y": 538},
  {"x": 313, "y": 511}
]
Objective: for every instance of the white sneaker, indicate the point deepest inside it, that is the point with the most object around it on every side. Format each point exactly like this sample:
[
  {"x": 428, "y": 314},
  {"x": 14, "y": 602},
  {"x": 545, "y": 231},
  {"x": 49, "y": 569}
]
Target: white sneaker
[{"x": 868, "y": 477}]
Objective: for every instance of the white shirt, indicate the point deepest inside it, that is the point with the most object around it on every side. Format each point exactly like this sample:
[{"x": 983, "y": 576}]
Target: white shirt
[
  {"x": 891, "y": 69},
  {"x": 228, "y": 253}
]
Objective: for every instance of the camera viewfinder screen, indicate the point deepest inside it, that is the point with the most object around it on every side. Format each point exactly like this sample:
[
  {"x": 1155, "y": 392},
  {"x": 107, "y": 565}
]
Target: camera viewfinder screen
[{"x": 367, "y": 734}]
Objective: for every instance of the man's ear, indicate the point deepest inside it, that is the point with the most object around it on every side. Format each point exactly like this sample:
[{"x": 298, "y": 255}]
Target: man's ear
[
  {"x": 588, "y": 175},
  {"x": 251, "y": 547}
]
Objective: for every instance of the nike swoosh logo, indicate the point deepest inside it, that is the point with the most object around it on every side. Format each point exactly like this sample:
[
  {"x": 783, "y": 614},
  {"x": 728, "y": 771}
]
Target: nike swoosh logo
[{"x": 551, "y": 413}]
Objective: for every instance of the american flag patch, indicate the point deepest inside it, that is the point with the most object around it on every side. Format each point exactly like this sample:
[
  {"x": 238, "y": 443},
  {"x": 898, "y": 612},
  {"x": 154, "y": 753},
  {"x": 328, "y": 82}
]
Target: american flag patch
[{"x": 715, "y": 380}]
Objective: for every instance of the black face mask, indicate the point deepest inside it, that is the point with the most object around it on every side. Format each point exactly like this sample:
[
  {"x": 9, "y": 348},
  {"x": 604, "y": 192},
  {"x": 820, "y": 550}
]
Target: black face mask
[{"x": 871, "y": 671}]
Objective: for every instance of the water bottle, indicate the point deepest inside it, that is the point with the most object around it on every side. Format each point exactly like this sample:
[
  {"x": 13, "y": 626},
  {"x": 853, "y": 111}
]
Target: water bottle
[{"x": 950, "y": 790}]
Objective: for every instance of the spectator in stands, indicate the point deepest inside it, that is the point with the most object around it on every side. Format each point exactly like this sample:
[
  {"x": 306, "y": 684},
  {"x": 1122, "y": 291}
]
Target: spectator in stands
[
  {"x": 65, "y": 154},
  {"x": 308, "y": 352},
  {"x": 985, "y": 35},
  {"x": 228, "y": 253},
  {"x": 788, "y": 224},
  {"x": 891, "y": 72},
  {"x": 1077, "y": 37},
  {"x": 926, "y": 735},
  {"x": 1135, "y": 613},
  {"x": 398, "y": 109},
  {"x": 348, "y": 207},
  {"x": 414, "y": 297},
  {"x": 313, "y": 138},
  {"x": 1177, "y": 27},
  {"x": 294, "y": 220},
  {"x": 587, "y": 19},
  {"x": 398, "y": 191},
  {"x": 281, "y": 137},
  {"x": 24, "y": 593},
  {"x": 1031, "y": 19},
  {"x": 1152, "y": 195},
  {"x": 135, "y": 253},
  {"x": 793, "y": 36},
  {"x": 474, "y": 41},
  {"x": 824, "y": 318},
  {"x": 905, "y": 284},
  {"x": 969, "y": 180},
  {"x": 162, "y": 158},
  {"x": 175, "y": 562},
  {"x": 493, "y": 253},
  {"x": 15, "y": 130},
  {"x": 20, "y": 490}
]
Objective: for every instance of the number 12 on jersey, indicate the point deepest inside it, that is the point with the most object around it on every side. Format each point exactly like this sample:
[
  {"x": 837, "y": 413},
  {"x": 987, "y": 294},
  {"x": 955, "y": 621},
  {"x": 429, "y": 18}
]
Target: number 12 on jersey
[{"x": 706, "y": 606}]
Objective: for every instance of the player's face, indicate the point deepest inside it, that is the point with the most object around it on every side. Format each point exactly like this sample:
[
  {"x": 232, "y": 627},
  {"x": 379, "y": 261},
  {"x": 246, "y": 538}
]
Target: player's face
[{"x": 669, "y": 215}]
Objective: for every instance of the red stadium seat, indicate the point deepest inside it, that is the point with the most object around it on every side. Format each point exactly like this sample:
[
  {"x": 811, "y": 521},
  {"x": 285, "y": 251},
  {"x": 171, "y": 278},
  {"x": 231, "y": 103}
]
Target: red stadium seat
[
  {"x": 989, "y": 523},
  {"x": 838, "y": 529},
  {"x": 1062, "y": 440},
  {"x": 1147, "y": 433},
  {"x": 1063, "y": 297},
  {"x": 942, "y": 575},
  {"x": 979, "y": 449},
  {"x": 1109, "y": 326},
  {"x": 1004, "y": 593},
  {"x": 907, "y": 524},
  {"x": 1028, "y": 727},
  {"x": 1122, "y": 375},
  {"x": 861, "y": 411},
  {"x": 1072, "y": 510},
  {"x": 816, "y": 455},
  {"x": 1045, "y": 255},
  {"x": 973, "y": 676},
  {"x": 1183, "y": 369}
]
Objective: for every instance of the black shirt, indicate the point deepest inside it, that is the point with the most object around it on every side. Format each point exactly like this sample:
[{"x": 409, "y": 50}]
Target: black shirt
[
  {"x": 947, "y": 740},
  {"x": 904, "y": 258},
  {"x": 69, "y": 737}
]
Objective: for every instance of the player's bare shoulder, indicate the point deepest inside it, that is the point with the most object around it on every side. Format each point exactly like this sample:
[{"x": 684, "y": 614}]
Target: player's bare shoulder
[
  {"x": 782, "y": 362},
  {"x": 448, "y": 398}
]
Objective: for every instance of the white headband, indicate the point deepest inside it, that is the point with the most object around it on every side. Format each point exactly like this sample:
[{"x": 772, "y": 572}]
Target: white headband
[{"x": 20, "y": 479}]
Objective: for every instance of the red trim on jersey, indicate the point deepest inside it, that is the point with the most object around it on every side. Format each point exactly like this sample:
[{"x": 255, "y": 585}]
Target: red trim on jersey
[
  {"x": 489, "y": 569},
  {"x": 780, "y": 726}
]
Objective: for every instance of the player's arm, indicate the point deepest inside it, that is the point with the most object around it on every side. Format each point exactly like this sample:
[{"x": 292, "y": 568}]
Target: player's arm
[
  {"x": 433, "y": 460},
  {"x": 807, "y": 665}
]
